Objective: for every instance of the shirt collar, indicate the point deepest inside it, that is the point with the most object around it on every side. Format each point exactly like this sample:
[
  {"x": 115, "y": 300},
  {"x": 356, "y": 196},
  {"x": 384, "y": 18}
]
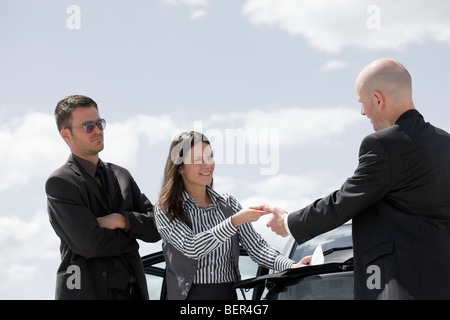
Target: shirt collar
[
  {"x": 189, "y": 202},
  {"x": 88, "y": 166},
  {"x": 408, "y": 114}
]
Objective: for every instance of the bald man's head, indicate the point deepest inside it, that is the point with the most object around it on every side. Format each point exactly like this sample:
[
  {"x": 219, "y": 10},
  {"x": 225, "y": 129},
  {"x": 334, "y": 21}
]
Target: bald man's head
[
  {"x": 385, "y": 91},
  {"x": 387, "y": 76}
]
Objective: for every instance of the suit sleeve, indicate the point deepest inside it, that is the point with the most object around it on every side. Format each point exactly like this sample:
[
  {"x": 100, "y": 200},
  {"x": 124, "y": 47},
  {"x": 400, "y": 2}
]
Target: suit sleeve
[
  {"x": 77, "y": 225},
  {"x": 370, "y": 182},
  {"x": 141, "y": 219}
]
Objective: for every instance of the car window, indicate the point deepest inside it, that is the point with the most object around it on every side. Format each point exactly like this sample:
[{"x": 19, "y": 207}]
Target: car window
[
  {"x": 248, "y": 269},
  {"x": 337, "y": 238},
  {"x": 155, "y": 282}
]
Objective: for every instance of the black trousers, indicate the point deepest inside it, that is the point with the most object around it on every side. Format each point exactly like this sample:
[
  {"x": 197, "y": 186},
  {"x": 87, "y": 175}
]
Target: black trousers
[
  {"x": 130, "y": 293},
  {"x": 216, "y": 291}
]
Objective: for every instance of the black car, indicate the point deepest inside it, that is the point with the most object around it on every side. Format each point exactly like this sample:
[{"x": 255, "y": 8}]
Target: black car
[{"x": 332, "y": 280}]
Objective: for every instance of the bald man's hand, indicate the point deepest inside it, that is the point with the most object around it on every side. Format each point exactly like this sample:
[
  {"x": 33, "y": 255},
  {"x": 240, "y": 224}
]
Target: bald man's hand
[{"x": 276, "y": 222}]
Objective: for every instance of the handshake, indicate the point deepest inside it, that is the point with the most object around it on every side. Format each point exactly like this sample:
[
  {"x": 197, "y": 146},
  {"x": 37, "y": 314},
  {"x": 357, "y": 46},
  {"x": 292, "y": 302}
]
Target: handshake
[
  {"x": 276, "y": 223},
  {"x": 252, "y": 214}
]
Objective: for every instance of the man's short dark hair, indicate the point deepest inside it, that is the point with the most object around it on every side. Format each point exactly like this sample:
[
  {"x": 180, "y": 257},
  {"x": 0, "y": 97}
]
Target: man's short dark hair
[{"x": 64, "y": 108}]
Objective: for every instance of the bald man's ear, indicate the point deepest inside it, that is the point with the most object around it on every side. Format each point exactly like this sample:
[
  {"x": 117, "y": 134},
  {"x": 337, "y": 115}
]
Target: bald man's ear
[{"x": 379, "y": 100}]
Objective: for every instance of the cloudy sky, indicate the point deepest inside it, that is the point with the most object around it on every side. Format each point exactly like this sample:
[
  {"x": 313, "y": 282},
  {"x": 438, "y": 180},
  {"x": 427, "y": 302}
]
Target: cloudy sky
[{"x": 270, "y": 82}]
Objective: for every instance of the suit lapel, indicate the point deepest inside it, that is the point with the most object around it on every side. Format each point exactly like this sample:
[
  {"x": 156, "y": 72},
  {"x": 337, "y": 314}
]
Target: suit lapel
[
  {"x": 92, "y": 184},
  {"x": 119, "y": 184}
]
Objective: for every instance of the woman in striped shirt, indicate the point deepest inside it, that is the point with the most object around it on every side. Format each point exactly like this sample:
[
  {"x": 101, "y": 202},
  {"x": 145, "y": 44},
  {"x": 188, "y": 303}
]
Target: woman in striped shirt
[{"x": 198, "y": 225}]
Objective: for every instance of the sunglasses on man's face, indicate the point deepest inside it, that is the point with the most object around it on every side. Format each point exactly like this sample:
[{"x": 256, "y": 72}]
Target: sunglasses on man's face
[{"x": 89, "y": 126}]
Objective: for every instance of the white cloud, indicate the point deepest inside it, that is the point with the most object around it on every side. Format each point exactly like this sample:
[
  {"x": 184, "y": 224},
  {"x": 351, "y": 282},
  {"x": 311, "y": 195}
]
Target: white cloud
[
  {"x": 196, "y": 7},
  {"x": 124, "y": 139},
  {"x": 331, "y": 26},
  {"x": 295, "y": 126},
  {"x": 197, "y": 14},
  {"x": 27, "y": 239},
  {"x": 189, "y": 3},
  {"x": 30, "y": 147},
  {"x": 30, "y": 257},
  {"x": 334, "y": 65},
  {"x": 289, "y": 192},
  {"x": 17, "y": 276},
  {"x": 258, "y": 137}
]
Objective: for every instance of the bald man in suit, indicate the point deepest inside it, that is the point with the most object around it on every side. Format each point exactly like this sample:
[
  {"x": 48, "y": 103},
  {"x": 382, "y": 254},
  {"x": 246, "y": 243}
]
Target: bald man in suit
[{"x": 398, "y": 196}]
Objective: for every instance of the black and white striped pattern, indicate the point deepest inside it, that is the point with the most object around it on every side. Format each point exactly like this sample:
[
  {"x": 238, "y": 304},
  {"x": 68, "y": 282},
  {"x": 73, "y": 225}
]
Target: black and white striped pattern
[{"x": 209, "y": 240}]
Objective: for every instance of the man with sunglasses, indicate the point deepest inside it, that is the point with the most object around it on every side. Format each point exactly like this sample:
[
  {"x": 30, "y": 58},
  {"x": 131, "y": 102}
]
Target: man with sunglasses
[{"x": 98, "y": 212}]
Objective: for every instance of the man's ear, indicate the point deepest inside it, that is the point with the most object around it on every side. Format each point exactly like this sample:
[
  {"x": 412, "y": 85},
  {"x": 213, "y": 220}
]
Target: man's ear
[
  {"x": 379, "y": 99},
  {"x": 66, "y": 135}
]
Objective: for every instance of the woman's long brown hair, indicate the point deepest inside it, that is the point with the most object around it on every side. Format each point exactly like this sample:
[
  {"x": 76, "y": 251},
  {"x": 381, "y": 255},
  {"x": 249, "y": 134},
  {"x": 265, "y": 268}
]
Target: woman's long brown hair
[{"x": 172, "y": 187}]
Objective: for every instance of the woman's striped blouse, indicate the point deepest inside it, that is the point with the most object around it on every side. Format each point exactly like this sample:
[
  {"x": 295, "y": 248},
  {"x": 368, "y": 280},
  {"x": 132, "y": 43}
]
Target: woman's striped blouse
[{"x": 209, "y": 240}]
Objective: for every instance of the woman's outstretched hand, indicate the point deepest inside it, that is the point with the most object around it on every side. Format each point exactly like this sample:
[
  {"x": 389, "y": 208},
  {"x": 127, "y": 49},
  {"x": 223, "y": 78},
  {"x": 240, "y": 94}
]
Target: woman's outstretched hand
[{"x": 251, "y": 214}]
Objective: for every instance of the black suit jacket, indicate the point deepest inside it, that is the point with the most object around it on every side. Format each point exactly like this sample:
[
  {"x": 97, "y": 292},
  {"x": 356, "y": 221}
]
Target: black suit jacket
[
  {"x": 399, "y": 200},
  {"x": 74, "y": 203}
]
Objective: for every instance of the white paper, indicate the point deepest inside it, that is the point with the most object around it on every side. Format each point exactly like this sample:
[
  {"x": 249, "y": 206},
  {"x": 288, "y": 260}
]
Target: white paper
[{"x": 317, "y": 257}]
